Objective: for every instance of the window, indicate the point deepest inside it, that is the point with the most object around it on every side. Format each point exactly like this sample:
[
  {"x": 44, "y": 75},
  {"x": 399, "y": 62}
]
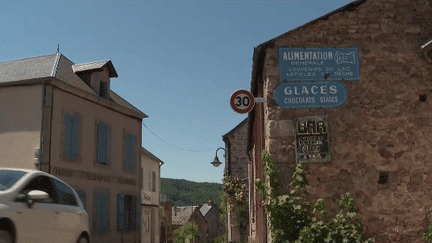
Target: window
[
  {"x": 153, "y": 188},
  {"x": 82, "y": 196},
  {"x": 103, "y": 90},
  {"x": 71, "y": 142},
  {"x": 65, "y": 194},
  {"x": 130, "y": 151},
  {"x": 128, "y": 213},
  {"x": 100, "y": 222},
  {"x": 103, "y": 143}
]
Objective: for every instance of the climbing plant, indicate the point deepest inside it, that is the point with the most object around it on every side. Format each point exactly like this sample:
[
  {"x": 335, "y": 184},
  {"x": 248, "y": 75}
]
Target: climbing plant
[
  {"x": 235, "y": 196},
  {"x": 293, "y": 219}
]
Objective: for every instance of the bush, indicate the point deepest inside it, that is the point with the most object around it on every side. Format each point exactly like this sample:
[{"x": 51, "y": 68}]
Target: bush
[
  {"x": 186, "y": 233},
  {"x": 292, "y": 218}
]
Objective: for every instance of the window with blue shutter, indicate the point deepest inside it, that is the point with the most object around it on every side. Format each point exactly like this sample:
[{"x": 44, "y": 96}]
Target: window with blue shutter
[
  {"x": 128, "y": 213},
  {"x": 100, "y": 222},
  {"x": 103, "y": 143},
  {"x": 130, "y": 151},
  {"x": 138, "y": 213},
  {"x": 72, "y": 132},
  {"x": 121, "y": 212}
]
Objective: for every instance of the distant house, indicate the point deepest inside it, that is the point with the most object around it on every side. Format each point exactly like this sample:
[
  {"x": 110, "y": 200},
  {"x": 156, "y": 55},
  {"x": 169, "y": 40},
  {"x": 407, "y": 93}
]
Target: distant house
[
  {"x": 166, "y": 228},
  {"x": 63, "y": 118},
  {"x": 212, "y": 216},
  {"x": 150, "y": 197},
  {"x": 182, "y": 215}
]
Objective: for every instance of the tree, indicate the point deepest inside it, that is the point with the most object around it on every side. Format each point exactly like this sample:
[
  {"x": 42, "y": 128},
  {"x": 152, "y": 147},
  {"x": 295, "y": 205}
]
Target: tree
[{"x": 187, "y": 233}]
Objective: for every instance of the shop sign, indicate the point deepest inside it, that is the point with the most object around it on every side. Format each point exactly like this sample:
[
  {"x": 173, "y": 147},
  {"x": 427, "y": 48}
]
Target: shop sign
[
  {"x": 319, "y": 64},
  {"x": 301, "y": 95},
  {"x": 311, "y": 139}
]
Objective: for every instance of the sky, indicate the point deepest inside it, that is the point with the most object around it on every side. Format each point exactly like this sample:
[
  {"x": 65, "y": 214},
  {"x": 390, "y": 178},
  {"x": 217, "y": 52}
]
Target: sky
[{"x": 178, "y": 61}]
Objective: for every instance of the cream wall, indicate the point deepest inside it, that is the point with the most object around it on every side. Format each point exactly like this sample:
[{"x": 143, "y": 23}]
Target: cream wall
[
  {"x": 20, "y": 125},
  {"x": 150, "y": 199},
  {"x": 90, "y": 114}
]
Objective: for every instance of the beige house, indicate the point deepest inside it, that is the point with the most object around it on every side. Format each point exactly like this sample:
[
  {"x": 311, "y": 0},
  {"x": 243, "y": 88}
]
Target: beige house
[
  {"x": 150, "y": 197},
  {"x": 182, "y": 215},
  {"x": 62, "y": 118}
]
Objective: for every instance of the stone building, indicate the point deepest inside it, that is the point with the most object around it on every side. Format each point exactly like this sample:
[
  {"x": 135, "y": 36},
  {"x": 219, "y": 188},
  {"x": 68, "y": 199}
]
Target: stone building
[
  {"x": 166, "y": 228},
  {"x": 184, "y": 214},
  {"x": 378, "y": 139},
  {"x": 212, "y": 216},
  {"x": 62, "y": 118},
  {"x": 237, "y": 165}
]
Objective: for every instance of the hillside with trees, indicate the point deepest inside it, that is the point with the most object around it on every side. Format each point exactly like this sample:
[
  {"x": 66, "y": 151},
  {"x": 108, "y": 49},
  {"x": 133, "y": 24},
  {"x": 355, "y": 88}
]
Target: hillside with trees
[{"x": 189, "y": 193}]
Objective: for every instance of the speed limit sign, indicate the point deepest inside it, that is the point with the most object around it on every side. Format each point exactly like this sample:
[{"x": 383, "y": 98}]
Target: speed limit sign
[{"x": 242, "y": 101}]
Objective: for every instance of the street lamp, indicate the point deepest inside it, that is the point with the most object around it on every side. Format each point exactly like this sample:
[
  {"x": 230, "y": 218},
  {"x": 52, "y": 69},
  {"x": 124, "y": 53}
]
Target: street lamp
[{"x": 216, "y": 161}]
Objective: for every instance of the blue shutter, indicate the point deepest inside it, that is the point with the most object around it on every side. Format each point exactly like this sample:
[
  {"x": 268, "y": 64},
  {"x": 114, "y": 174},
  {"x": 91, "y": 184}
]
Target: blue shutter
[
  {"x": 107, "y": 144},
  {"x": 127, "y": 151},
  {"x": 76, "y": 124},
  {"x": 68, "y": 136},
  {"x": 103, "y": 144},
  {"x": 132, "y": 151},
  {"x": 138, "y": 213},
  {"x": 101, "y": 212},
  {"x": 120, "y": 212}
]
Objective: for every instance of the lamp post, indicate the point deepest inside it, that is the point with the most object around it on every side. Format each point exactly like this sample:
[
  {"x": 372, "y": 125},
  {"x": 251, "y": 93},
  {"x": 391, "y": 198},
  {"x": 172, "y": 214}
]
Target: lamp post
[{"x": 216, "y": 161}]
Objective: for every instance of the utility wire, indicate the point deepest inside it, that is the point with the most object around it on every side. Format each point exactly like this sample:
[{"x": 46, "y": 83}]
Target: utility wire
[{"x": 190, "y": 150}]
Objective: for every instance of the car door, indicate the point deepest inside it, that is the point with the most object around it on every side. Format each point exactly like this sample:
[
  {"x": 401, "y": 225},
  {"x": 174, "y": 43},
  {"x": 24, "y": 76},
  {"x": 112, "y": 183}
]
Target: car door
[
  {"x": 71, "y": 217},
  {"x": 35, "y": 223}
]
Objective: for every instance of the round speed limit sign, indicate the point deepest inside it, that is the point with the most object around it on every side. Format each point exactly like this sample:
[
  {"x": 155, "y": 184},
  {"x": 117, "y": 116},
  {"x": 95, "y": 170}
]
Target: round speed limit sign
[{"x": 242, "y": 101}]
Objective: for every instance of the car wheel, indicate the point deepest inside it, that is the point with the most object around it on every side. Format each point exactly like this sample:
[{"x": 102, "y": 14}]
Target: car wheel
[
  {"x": 82, "y": 239},
  {"x": 5, "y": 237}
]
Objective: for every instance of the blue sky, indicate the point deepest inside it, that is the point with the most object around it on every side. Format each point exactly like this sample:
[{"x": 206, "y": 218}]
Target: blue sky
[{"x": 177, "y": 61}]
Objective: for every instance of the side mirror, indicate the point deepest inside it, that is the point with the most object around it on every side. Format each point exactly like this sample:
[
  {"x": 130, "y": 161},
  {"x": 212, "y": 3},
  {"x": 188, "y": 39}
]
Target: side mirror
[{"x": 36, "y": 195}]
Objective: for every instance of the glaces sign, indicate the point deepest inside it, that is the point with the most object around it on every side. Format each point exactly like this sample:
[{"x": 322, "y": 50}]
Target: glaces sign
[
  {"x": 310, "y": 94},
  {"x": 311, "y": 138},
  {"x": 319, "y": 64}
]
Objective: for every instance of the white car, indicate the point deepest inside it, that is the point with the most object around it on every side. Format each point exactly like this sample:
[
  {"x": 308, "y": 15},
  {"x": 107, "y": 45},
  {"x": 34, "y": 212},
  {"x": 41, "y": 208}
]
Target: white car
[{"x": 38, "y": 207}]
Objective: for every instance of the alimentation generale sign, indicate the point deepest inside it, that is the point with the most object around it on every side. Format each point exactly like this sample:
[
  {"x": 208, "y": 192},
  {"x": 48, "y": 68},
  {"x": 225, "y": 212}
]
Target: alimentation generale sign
[
  {"x": 301, "y": 95},
  {"x": 319, "y": 64}
]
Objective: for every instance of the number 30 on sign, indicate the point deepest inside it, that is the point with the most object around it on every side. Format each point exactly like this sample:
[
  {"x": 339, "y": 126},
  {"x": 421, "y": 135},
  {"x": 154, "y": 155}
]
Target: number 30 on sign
[{"x": 242, "y": 101}]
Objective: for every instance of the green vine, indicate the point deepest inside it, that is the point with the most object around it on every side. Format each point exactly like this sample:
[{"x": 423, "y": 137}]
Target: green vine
[
  {"x": 427, "y": 236},
  {"x": 293, "y": 219},
  {"x": 235, "y": 196}
]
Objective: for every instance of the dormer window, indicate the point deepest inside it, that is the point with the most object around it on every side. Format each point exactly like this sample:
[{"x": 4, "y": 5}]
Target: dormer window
[
  {"x": 86, "y": 77},
  {"x": 103, "y": 90}
]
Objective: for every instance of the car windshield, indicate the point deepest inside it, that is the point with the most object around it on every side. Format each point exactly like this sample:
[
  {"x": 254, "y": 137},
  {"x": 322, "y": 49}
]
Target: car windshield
[{"x": 9, "y": 177}]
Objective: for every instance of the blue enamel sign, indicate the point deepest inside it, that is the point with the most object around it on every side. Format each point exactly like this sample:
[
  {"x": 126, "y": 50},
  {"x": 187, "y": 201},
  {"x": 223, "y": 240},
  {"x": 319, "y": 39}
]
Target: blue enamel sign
[
  {"x": 302, "y": 95},
  {"x": 319, "y": 64}
]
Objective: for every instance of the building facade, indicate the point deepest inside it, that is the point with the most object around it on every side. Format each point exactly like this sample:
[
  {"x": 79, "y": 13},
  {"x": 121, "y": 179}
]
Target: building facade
[
  {"x": 62, "y": 118},
  {"x": 237, "y": 165},
  {"x": 377, "y": 140},
  {"x": 150, "y": 197}
]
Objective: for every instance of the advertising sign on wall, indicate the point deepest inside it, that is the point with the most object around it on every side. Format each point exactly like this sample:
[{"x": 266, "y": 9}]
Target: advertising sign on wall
[
  {"x": 311, "y": 139},
  {"x": 296, "y": 95},
  {"x": 319, "y": 64}
]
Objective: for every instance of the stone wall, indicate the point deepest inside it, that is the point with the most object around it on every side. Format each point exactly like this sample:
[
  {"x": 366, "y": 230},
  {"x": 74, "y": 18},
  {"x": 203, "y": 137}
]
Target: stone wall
[
  {"x": 383, "y": 129},
  {"x": 239, "y": 159}
]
